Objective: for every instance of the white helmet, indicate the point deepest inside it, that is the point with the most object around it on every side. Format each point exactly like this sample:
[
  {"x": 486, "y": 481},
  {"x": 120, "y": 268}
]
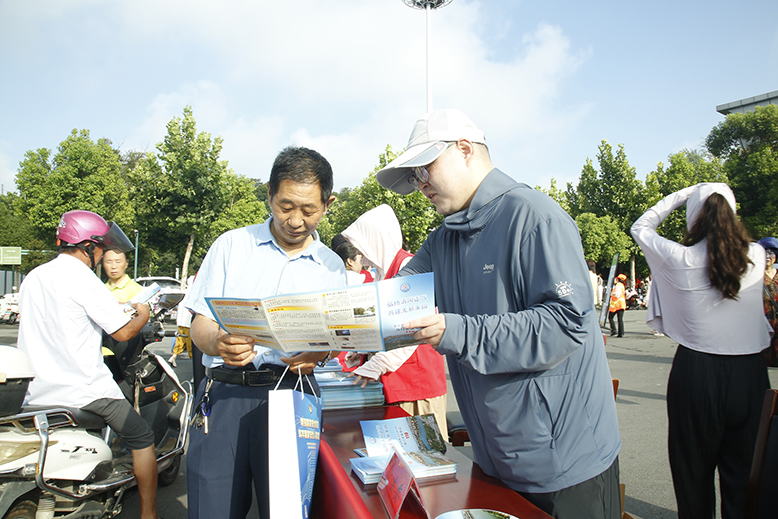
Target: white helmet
[{"x": 14, "y": 364}]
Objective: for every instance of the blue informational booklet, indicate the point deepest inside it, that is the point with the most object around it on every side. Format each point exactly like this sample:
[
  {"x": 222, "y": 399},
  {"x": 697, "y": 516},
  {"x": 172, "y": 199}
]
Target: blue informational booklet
[
  {"x": 407, "y": 434},
  {"x": 365, "y": 318},
  {"x": 416, "y": 439}
]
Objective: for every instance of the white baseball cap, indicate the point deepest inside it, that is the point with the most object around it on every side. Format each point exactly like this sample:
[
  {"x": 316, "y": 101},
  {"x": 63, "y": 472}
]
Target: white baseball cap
[{"x": 429, "y": 139}]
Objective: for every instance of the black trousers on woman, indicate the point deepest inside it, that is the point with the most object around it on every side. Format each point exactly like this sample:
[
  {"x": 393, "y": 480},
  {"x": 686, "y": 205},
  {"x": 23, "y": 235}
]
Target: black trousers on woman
[{"x": 713, "y": 408}]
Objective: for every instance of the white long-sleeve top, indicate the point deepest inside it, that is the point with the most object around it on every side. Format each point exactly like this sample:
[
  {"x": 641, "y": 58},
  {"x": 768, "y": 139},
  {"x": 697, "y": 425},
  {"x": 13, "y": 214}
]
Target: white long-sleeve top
[{"x": 683, "y": 303}]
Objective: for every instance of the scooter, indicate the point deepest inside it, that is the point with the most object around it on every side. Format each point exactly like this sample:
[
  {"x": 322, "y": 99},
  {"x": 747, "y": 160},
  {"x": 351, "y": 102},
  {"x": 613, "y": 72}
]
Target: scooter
[
  {"x": 64, "y": 463},
  {"x": 635, "y": 300}
]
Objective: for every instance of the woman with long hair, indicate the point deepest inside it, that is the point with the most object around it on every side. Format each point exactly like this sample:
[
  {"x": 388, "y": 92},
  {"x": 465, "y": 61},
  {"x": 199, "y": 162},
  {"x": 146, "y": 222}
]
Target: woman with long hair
[{"x": 707, "y": 296}]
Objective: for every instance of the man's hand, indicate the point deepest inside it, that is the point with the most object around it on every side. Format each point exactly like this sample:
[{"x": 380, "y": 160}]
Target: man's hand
[
  {"x": 142, "y": 309},
  {"x": 135, "y": 324},
  {"x": 236, "y": 350},
  {"x": 432, "y": 329},
  {"x": 303, "y": 363}
]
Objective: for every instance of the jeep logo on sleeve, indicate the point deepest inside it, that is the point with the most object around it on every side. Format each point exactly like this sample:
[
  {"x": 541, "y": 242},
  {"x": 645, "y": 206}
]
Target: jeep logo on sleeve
[{"x": 488, "y": 268}]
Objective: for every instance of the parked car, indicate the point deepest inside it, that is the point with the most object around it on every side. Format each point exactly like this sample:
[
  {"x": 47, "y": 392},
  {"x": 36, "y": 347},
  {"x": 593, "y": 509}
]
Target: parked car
[
  {"x": 169, "y": 286},
  {"x": 9, "y": 307}
]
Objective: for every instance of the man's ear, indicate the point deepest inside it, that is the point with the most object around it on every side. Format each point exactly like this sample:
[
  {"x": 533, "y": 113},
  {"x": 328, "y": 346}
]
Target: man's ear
[
  {"x": 329, "y": 203},
  {"x": 467, "y": 149}
]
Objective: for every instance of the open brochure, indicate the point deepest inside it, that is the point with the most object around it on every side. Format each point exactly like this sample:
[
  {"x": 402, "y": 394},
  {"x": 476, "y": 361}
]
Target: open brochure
[
  {"x": 365, "y": 318},
  {"x": 416, "y": 439},
  {"x": 143, "y": 297}
]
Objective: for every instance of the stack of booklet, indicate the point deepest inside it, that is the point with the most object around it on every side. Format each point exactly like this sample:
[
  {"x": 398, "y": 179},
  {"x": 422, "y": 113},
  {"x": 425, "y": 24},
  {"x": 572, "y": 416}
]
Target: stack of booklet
[
  {"x": 416, "y": 439},
  {"x": 339, "y": 392}
]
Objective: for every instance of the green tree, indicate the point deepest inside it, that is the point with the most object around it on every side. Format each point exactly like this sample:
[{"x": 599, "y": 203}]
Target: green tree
[
  {"x": 557, "y": 194},
  {"x": 748, "y": 145},
  {"x": 416, "y": 215},
  {"x": 17, "y": 231},
  {"x": 185, "y": 192},
  {"x": 613, "y": 191},
  {"x": 260, "y": 192},
  {"x": 82, "y": 175},
  {"x": 601, "y": 238}
]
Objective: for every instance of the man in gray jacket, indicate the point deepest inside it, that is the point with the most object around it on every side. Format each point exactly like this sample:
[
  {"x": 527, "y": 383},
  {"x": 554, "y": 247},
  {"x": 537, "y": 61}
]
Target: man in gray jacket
[{"x": 517, "y": 323}]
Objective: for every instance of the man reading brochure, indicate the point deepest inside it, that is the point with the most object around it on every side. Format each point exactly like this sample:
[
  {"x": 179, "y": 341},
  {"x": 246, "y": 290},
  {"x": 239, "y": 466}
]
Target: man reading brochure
[
  {"x": 517, "y": 323},
  {"x": 280, "y": 256}
]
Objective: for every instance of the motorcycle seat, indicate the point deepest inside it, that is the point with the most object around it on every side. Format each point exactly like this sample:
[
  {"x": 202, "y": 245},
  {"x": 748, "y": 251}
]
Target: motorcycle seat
[{"x": 85, "y": 419}]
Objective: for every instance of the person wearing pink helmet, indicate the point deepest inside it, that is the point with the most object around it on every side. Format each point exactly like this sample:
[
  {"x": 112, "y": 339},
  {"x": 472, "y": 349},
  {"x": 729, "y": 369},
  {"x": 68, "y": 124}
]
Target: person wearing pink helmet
[{"x": 66, "y": 309}]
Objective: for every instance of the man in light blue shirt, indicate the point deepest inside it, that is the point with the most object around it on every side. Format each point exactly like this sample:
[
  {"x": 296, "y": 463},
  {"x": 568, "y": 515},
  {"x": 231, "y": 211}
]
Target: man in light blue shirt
[{"x": 280, "y": 256}]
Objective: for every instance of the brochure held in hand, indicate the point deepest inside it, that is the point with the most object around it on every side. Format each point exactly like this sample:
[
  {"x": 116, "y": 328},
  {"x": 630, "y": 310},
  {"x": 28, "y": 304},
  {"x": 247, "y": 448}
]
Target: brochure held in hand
[{"x": 364, "y": 318}]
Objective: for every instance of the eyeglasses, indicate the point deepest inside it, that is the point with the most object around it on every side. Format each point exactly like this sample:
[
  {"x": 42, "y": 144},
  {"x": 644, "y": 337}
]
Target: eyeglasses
[
  {"x": 420, "y": 176},
  {"x": 420, "y": 173}
]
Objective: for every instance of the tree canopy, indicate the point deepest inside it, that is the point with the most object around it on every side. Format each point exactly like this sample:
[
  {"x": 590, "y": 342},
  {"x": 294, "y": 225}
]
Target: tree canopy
[
  {"x": 182, "y": 196},
  {"x": 185, "y": 193},
  {"x": 747, "y": 143},
  {"x": 83, "y": 174}
]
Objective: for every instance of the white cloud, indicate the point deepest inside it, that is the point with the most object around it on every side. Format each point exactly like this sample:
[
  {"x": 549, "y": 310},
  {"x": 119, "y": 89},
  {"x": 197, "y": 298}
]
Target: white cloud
[
  {"x": 344, "y": 77},
  {"x": 348, "y": 78}
]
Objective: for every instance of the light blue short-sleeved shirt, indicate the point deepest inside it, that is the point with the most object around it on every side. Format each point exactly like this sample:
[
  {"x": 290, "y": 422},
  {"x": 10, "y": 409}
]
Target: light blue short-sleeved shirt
[{"x": 248, "y": 263}]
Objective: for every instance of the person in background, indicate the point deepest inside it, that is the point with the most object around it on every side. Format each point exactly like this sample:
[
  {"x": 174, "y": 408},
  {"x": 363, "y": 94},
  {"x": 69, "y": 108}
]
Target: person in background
[
  {"x": 618, "y": 304},
  {"x": 414, "y": 377},
  {"x": 352, "y": 259},
  {"x": 119, "y": 283},
  {"x": 183, "y": 322},
  {"x": 595, "y": 279},
  {"x": 66, "y": 309},
  {"x": 282, "y": 255},
  {"x": 517, "y": 323},
  {"x": 648, "y": 303},
  {"x": 706, "y": 294},
  {"x": 770, "y": 296}
]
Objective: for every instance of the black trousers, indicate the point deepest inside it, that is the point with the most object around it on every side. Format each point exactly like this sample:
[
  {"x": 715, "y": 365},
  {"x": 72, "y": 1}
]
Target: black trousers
[
  {"x": 713, "y": 408},
  {"x": 620, "y": 315},
  {"x": 595, "y": 498}
]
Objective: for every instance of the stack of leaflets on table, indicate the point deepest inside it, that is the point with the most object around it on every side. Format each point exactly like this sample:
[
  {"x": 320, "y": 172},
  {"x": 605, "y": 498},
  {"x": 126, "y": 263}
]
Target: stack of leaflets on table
[
  {"x": 416, "y": 438},
  {"x": 339, "y": 392}
]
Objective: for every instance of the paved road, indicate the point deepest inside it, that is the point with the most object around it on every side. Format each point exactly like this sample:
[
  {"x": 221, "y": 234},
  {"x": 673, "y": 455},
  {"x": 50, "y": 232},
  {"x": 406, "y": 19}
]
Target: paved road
[{"x": 641, "y": 362}]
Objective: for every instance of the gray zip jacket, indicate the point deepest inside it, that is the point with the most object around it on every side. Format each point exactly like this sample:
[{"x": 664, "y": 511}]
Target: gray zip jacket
[{"x": 524, "y": 348}]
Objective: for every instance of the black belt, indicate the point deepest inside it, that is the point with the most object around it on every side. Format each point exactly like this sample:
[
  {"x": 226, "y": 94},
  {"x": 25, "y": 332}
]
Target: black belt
[{"x": 266, "y": 375}]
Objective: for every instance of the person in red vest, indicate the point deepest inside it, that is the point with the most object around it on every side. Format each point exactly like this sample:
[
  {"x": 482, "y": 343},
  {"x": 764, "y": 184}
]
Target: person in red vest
[
  {"x": 414, "y": 377},
  {"x": 618, "y": 304}
]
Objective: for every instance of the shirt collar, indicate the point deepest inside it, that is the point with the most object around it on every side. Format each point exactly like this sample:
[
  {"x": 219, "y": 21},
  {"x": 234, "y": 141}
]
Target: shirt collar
[
  {"x": 122, "y": 283},
  {"x": 263, "y": 236}
]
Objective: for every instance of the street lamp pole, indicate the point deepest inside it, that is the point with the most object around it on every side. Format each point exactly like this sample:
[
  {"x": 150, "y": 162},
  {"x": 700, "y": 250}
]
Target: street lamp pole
[
  {"x": 428, "y": 6},
  {"x": 136, "y": 254}
]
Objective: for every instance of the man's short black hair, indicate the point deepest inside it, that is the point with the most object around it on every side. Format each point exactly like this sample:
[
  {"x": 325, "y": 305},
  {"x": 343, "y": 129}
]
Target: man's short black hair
[{"x": 301, "y": 165}]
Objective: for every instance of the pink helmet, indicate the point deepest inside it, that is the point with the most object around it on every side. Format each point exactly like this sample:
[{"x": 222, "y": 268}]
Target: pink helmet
[{"x": 78, "y": 226}]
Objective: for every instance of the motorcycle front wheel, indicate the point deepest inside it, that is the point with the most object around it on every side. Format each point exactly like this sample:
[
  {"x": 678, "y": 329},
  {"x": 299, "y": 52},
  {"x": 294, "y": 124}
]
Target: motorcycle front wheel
[
  {"x": 22, "y": 510},
  {"x": 169, "y": 475}
]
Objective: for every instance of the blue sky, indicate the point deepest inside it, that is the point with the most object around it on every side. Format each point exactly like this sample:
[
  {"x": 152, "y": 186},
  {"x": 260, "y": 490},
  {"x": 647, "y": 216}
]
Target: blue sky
[{"x": 546, "y": 81}]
